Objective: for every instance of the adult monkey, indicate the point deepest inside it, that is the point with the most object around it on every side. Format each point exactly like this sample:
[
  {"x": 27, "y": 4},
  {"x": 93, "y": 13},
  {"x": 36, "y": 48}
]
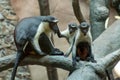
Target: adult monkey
[{"x": 33, "y": 35}]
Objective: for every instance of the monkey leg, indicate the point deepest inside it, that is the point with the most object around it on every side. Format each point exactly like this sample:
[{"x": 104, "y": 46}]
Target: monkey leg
[
  {"x": 19, "y": 57},
  {"x": 90, "y": 55},
  {"x": 47, "y": 47},
  {"x": 69, "y": 51},
  {"x": 36, "y": 47}
]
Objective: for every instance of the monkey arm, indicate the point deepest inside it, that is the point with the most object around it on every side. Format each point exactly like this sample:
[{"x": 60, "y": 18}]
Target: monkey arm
[
  {"x": 60, "y": 35},
  {"x": 37, "y": 47},
  {"x": 63, "y": 34},
  {"x": 70, "y": 48},
  {"x": 68, "y": 51}
]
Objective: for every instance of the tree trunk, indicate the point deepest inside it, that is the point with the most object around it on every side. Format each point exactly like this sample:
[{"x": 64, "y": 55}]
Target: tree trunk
[
  {"x": 44, "y": 7},
  {"x": 45, "y": 10},
  {"x": 98, "y": 15}
]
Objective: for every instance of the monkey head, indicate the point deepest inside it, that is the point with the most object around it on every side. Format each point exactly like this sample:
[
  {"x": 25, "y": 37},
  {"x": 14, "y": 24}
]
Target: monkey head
[
  {"x": 52, "y": 23},
  {"x": 72, "y": 27},
  {"x": 84, "y": 27}
]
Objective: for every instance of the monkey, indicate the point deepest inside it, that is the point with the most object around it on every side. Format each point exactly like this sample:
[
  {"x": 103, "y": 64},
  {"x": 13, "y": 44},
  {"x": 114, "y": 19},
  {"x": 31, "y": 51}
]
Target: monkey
[
  {"x": 33, "y": 35},
  {"x": 69, "y": 34},
  {"x": 82, "y": 45}
]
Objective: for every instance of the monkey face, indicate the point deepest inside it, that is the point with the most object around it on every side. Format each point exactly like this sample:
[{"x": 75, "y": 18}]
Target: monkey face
[
  {"x": 84, "y": 27},
  {"x": 54, "y": 27},
  {"x": 72, "y": 27}
]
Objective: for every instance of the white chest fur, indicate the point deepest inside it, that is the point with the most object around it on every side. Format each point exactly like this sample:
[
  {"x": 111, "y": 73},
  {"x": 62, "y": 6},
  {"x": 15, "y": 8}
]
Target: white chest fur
[
  {"x": 43, "y": 27},
  {"x": 80, "y": 37}
]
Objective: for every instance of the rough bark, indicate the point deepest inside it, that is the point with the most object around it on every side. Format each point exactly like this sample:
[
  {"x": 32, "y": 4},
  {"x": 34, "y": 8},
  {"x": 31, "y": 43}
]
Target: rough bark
[
  {"x": 111, "y": 41},
  {"x": 108, "y": 41},
  {"x": 54, "y": 61},
  {"x": 98, "y": 14},
  {"x": 82, "y": 71}
]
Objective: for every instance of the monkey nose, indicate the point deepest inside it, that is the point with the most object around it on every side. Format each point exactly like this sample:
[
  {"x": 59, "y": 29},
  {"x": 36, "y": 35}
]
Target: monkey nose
[{"x": 84, "y": 32}]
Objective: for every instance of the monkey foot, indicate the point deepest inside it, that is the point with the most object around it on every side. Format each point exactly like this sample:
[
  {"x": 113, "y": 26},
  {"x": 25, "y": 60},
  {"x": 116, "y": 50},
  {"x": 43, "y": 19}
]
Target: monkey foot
[{"x": 57, "y": 52}]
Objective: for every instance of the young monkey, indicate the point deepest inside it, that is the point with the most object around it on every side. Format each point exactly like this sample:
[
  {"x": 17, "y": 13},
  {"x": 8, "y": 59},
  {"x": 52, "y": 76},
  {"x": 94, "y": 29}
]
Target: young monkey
[
  {"x": 34, "y": 35},
  {"x": 69, "y": 34},
  {"x": 82, "y": 46}
]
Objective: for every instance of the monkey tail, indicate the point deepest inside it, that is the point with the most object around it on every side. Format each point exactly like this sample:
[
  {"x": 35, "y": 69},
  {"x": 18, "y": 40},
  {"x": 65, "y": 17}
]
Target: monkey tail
[{"x": 19, "y": 57}]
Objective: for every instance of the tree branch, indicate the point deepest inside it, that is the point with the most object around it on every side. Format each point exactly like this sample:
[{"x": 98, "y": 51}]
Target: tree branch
[
  {"x": 77, "y": 11},
  {"x": 95, "y": 71},
  {"x": 110, "y": 59},
  {"x": 54, "y": 61}
]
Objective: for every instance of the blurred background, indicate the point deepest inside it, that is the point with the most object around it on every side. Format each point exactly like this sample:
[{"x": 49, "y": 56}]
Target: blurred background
[{"x": 11, "y": 11}]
